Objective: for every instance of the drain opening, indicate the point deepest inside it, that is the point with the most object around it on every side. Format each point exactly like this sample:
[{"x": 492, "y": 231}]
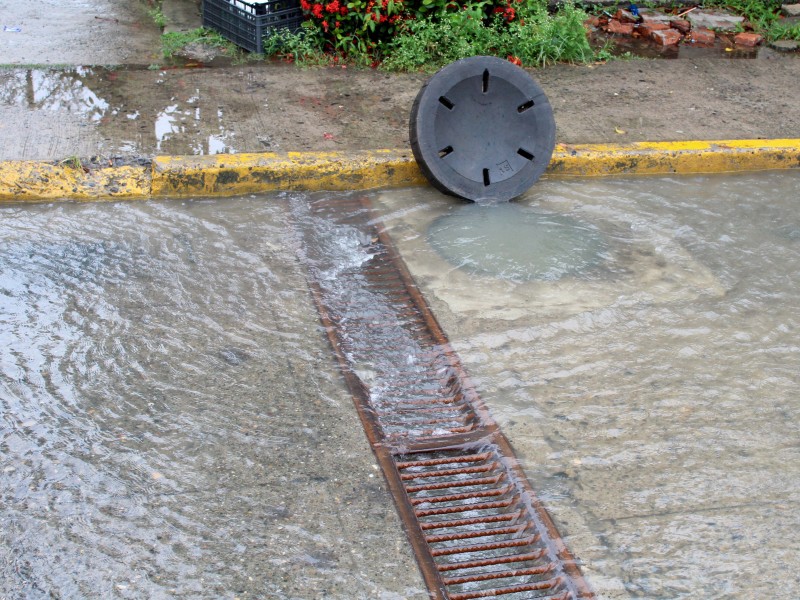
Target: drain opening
[
  {"x": 525, "y": 154},
  {"x": 446, "y": 103},
  {"x": 525, "y": 106},
  {"x": 475, "y": 524}
]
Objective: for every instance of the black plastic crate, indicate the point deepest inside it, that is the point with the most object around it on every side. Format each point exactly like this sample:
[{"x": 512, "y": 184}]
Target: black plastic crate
[{"x": 246, "y": 23}]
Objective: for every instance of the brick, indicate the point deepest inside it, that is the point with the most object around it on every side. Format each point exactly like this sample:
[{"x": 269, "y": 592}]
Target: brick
[
  {"x": 646, "y": 29},
  {"x": 681, "y": 25},
  {"x": 785, "y": 45},
  {"x": 615, "y": 26},
  {"x": 749, "y": 40},
  {"x": 592, "y": 22},
  {"x": 791, "y": 10},
  {"x": 649, "y": 15},
  {"x": 666, "y": 37},
  {"x": 625, "y": 16},
  {"x": 701, "y": 35},
  {"x": 713, "y": 19}
]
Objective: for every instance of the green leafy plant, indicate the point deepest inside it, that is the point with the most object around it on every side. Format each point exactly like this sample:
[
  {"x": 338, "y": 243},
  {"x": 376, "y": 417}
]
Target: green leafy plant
[
  {"x": 304, "y": 47},
  {"x": 158, "y": 17},
  {"x": 524, "y": 32},
  {"x": 410, "y": 35},
  {"x": 171, "y": 43},
  {"x": 357, "y": 29},
  {"x": 73, "y": 162},
  {"x": 763, "y": 15}
]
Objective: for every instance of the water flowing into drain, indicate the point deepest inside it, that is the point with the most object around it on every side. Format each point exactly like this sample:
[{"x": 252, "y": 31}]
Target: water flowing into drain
[{"x": 474, "y": 522}]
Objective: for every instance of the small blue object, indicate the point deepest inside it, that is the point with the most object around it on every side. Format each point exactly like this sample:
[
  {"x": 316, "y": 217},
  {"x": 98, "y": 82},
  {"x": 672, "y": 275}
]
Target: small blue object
[
  {"x": 12, "y": 29},
  {"x": 634, "y": 10}
]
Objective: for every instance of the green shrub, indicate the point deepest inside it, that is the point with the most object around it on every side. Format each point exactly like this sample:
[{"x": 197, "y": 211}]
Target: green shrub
[
  {"x": 764, "y": 15},
  {"x": 527, "y": 35},
  {"x": 410, "y": 35}
]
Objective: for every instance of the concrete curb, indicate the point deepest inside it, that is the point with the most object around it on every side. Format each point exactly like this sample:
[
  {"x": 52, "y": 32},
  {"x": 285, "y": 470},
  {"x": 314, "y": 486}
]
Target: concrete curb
[{"x": 233, "y": 174}]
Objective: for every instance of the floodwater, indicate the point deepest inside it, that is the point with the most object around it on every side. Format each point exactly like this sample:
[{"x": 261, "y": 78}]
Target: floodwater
[
  {"x": 653, "y": 397},
  {"x": 173, "y": 424}
]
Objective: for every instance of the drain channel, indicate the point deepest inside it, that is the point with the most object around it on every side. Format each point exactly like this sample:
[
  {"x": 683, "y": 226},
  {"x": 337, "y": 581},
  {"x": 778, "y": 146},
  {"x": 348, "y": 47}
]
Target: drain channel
[{"x": 476, "y": 526}]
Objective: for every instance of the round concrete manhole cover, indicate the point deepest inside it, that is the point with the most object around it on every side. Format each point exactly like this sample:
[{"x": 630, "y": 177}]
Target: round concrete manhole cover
[{"x": 482, "y": 129}]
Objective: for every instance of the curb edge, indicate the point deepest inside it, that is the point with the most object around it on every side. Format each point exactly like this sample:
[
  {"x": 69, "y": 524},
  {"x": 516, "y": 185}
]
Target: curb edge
[{"x": 235, "y": 174}]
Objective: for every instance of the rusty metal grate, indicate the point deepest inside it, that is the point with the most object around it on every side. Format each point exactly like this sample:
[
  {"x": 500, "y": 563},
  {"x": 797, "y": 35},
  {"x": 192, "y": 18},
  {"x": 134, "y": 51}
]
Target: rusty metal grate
[{"x": 476, "y": 526}]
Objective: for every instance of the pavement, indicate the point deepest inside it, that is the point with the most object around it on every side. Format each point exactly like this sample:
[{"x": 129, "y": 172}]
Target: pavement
[
  {"x": 61, "y": 103},
  {"x": 145, "y": 128}
]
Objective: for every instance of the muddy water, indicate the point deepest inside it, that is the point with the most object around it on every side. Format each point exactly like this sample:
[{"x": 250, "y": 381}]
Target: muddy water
[
  {"x": 653, "y": 398},
  {"x": 171, "y": 423}
]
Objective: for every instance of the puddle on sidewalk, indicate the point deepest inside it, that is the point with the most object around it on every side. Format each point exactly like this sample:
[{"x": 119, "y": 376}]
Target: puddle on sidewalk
[
  {"x": 140, "y": 112},
  {"x": 94, "y": 110}
]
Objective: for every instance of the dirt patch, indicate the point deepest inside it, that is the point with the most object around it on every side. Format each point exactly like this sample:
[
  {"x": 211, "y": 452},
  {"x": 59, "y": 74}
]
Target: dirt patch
[{"x": 134, "y": 112}]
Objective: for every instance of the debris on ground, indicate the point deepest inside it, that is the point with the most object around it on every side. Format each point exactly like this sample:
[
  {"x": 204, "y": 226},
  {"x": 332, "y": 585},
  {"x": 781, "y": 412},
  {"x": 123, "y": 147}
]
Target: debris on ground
[{"x": 696, "y": 26}]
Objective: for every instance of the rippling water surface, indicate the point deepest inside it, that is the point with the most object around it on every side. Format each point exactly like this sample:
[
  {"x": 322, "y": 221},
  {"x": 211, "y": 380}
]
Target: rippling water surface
[
  {"x": 172, "y": 424},
  {"x": 654, "y": 400}
]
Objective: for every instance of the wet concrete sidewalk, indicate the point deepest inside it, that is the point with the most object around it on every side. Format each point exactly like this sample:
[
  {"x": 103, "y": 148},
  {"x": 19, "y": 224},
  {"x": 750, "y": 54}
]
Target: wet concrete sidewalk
[
  {"x": 57, "y": 102},
  {"x": 136, "y": 112}
]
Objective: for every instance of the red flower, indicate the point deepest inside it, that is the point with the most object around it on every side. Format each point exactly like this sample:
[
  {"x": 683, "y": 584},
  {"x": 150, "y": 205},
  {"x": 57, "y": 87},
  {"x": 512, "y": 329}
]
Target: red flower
[
  {"x": 514, "y": 60},
  {"x": 510, "y": 13},
  {"x": 383, "y": 19},
  {"x": 343, "y": 11},
  {"x": 332, "y": 7},
  {"x": 317, "y": 11},
  {"x": 305, "y": 5},
  {"x": 337, "y": 24},
  {"x": 325, "y": 26}
]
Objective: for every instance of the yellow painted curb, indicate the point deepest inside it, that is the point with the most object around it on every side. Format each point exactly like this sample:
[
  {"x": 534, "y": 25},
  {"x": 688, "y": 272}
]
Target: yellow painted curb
[
  {"x": 35, "y": 181},
  {"x": 233, "y": 174},
  {"x": 247, "y": 173},
  {"x": 659, "y": 158}
]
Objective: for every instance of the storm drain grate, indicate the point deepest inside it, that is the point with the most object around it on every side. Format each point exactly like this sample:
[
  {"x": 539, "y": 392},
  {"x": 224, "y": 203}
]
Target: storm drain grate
[{"x": 476, "y": 526}]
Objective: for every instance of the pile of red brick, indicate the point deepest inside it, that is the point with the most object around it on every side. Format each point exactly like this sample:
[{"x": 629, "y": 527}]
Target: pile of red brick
[{"x": 664, "y": 29}]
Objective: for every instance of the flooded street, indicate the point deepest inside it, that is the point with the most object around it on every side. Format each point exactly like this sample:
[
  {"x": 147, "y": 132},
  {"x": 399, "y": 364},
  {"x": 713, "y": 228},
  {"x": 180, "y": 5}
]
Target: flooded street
[
  {"x": 172, "y": 423},
  {"x": 652, "y": 397}
]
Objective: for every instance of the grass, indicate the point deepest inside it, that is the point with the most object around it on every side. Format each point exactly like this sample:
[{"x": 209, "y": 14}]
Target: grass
[
  {"x": 764, "y": 15},
  {"x": 72, "y": 162},
  {"x": 172, "y": 43},
  {"x": 37, "y": 66},
  {"x": 535, "y": 38},
  {"x": 158, "y": 17},
  {"x": 303, "y": 47}
]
